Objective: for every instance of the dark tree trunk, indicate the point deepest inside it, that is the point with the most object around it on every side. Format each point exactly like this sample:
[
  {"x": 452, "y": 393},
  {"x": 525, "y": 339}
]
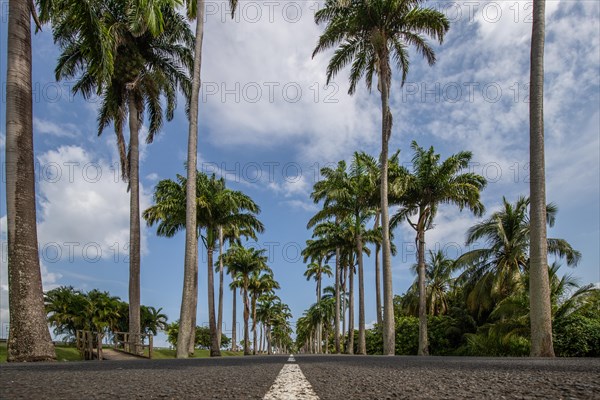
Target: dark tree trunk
[
  {"x": 541, "y": 311},
  {"x": 337, "y": 301},
  {"x": 134, "y": 221},
  {"x": 362, "y": 345},
  {"x": 221, "y": 281},
  {"x": 423, "y": 346},
  {"x": 246, "y": 318},
  {"x": 350, "y": 347},
  {"x": 389, "y": 335},
  {"x": 377, "y": 273},
  {"x": 234, "y": 318},
  {"x": 188, "y": 309},
  {"x": 28, "y": 338},
  {"x": 215, "y": 351}
]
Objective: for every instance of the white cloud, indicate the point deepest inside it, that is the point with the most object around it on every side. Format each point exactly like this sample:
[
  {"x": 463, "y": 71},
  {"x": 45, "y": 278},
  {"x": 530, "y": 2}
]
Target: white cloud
[
  {"x": 153, "y": 177},
  {"x": 2, "y": 140},
  {"x": 67, "y": 130},
  {"x": 83, "y": 206},
  {"x": 283, "y": 101}
]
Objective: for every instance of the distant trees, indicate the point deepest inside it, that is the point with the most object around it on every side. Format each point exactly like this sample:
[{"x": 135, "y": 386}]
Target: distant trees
[
  {"x": 202, "y": 338},
  {"x": 69, "y": 310}
]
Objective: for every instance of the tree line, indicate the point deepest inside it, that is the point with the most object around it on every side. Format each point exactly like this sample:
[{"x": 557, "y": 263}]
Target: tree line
[
  {"x": 137, "y": 55},
  {"x": 477, "y": 304}
]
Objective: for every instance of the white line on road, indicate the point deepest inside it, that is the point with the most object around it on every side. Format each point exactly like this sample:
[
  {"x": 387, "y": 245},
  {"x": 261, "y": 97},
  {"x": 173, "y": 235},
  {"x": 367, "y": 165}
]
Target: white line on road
[{"x": 291, "y": 384}]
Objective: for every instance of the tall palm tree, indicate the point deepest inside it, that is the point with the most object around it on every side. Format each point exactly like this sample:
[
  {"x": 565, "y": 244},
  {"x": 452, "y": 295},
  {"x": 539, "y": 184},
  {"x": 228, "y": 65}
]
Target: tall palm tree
[
  {"x": 492, "y": 273},
  {"x": 316, "y": 270},
  {"x": 430, "y": 184},
  {"x": 143, "y": 67},
  {"x": 323, "y": 190},
  {"x": 195, "y": 9},
  {"x": 243, "y": 263},
  {"x": 438, "y": 282},
  {"x": 29, "y": 337},
  {"x": 217, "y": 207},
  {"x": 351, "y": 198},
  {"x": 221, "y": 207},
  {"x": 369, "y": 33},
  {"x": 260, "y": 284},
  {"x": 541, "y": 312}
]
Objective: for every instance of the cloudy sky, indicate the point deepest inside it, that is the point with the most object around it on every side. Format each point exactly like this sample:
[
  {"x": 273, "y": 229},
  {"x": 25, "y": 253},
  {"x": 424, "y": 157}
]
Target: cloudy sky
[{"x": 268, "y": 123}]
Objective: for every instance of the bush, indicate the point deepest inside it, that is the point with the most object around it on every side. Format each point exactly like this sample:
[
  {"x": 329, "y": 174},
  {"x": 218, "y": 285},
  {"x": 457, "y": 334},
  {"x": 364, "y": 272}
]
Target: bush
[{"x": 577, "y": 336}]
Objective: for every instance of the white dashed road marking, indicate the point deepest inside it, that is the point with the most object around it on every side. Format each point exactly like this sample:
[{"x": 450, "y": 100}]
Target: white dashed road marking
[{"x": 291, "y": 384}]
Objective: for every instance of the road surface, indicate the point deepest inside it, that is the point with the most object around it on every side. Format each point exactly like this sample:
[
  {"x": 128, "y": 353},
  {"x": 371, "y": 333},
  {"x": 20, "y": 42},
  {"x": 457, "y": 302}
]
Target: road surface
[{"x": 306, "y": 377}]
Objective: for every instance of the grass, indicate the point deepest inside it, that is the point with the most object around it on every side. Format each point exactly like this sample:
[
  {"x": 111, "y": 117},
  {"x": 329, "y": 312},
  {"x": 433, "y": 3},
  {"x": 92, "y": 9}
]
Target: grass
[
  {"x": 68, "y": 353},
  {"x": 63, "y": 353},
  {"x": 159, "y": 354}
]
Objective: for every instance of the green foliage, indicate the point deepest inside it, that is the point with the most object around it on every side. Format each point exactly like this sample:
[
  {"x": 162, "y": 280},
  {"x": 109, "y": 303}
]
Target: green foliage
[
  {"x": 577, "y": 336},
  {"x": 70, "y": 310},
  {"x": 202, "y": 338},
  {"x": 407, "y": 335}
]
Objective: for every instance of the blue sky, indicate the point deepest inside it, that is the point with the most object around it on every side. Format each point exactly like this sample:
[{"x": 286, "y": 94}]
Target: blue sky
[{"x": 268, "y": 123}]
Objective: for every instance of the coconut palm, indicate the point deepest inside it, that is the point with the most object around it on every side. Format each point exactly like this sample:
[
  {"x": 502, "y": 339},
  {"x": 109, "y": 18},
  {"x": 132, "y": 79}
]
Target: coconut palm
[
  {"x": 153, "y": 320},
  {"x": 29, "y": 337},
  {"x": 230, "y": 234},
  {"x": 541, "y": 317},
  {"x": 243, "y": 263},
  {"x": 323, "y": 190},
  {"x": 217, "y": 207},
  {"x": 367, "y": 34},
  {"x": 222, "y": 207},
  {"x": 316, "y": 269},
  {"x": 430, "y": 184},
  {"x": 494, "y": 272},
  {"x": 132, "y": 71},
  {"x": 438, "y": 282},
  {"x": 259, "y": 284}
]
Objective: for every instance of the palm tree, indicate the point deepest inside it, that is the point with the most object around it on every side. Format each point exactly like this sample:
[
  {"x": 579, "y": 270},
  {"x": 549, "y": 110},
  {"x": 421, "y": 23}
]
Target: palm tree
[
  {"x": 369, "y": 33},
  {"x": 29, "y": 337},
  {"x": 260, "y": 284},
  {"x": 153, "y": 320},
  {"x": 438, "y": 282},
  {"x": 221, "y": 207},
  {"x": 243, "y": 263},
  {"x": 430, "y": 184},
  {"x": 195, "y": 9},
  {"x": 142, "y": 67},
  {"x": 541, "y": 313},
  {"x": 323, "y": 190},
  {"x": 494, "y": 272},
  {"x": 316, "y": 270}
]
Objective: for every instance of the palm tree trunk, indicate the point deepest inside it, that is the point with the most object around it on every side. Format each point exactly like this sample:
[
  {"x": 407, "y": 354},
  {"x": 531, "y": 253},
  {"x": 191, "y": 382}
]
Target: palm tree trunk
[
  {"x": 254, "y": 324},
  {"x": 260, "y": 340},
  {"x": 29, "y": 337},
  {"x": 362, "y": 345},
  {"x": 246, "y": 318},
  {"x": 423, "y": 346},
  {"x": 337, "y": 301},
  {"x": 233, "y": 318},
  {"x": 389, "y": 336},
  {"x": 215, "y": 350},
  {"x": 541, "y": 313},
  {"x": 377, "y": 273},
  {"x": 269, "y": 340},
  {"x": 192, "y": 343},
  {"x": 186, "y": 330},
  {"x": 220, "y": 310},
  {"x": 344, "y": 307},
  {"x": 134, "y": 221},
  {"x": 350, "y": 347}
]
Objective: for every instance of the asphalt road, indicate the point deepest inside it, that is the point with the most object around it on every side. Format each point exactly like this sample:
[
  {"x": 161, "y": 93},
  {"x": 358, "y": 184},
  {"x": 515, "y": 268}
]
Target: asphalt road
[{"x": 331, "y": 377}]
